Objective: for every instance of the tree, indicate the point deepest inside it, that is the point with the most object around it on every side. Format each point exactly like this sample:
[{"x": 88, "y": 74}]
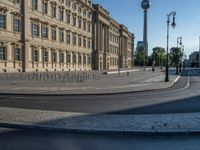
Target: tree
[
  {"x": 140, "y": 56},
  {"x": 176, "y": 56},
  {"x": 159, "y": 56}
]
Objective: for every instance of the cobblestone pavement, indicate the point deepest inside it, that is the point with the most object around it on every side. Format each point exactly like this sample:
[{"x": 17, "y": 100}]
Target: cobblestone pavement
[
  {"x": 98, "y": 84},
  {"x": 91, "y": 122}
]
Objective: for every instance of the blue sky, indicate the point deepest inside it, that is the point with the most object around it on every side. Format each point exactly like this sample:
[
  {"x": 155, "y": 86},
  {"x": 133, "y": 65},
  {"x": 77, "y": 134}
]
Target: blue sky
[{"x": 129, "y": 13}]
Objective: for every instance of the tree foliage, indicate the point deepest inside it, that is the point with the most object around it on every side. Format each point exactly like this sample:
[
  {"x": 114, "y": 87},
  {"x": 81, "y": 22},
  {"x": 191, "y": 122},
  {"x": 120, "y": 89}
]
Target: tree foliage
[
  {"x": 176, "y": 55},
  {"x": 140, "y": 56},
  {"x": 159, "y": 55}
]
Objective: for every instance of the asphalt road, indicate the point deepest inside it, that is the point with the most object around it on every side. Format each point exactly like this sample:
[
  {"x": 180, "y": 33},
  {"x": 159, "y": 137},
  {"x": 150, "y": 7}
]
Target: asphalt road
[
  {"x": 28, "y": 139},
  {"x": 183, "y": 97}
]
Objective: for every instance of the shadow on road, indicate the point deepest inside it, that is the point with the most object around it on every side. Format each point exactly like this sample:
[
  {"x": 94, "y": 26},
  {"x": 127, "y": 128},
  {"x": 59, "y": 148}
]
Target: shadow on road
[
  {"x": 35, "y": 142},
  {"x": 187, "y": 105}
]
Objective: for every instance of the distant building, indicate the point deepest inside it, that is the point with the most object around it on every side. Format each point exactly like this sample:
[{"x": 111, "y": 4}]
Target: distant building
[
  {"x": 194, "y": 59},
  {"x": 112, "y": 46},
  {"x": 139, "y": 44},
  {"x": 187, "y": 63}
]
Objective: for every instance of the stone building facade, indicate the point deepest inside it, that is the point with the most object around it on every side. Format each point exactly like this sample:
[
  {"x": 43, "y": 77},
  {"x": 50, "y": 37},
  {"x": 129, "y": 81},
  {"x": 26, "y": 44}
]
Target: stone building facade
[
  {"x": 113, "y": 43},
  {"x": 10, "y": 37},
  {"x": 61, "y": 35}
]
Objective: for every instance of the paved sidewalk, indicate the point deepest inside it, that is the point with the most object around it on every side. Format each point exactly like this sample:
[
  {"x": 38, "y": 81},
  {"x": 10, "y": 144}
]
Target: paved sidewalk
[
  {"x": 82, "y": 122},
  {"x": 104, "y": 84}
]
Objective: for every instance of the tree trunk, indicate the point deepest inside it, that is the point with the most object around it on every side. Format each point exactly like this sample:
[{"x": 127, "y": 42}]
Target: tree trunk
[{"x": 176, "y": 69}]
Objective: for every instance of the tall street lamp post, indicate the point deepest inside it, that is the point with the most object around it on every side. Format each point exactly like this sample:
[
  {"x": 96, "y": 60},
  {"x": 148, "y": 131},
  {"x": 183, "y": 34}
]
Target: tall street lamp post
[
  {"x": 173, "y": 25},
  {"x": 179, "y": 42},
  {"x": 184, "y": 57},
  {"x": 199, "y": 51}
]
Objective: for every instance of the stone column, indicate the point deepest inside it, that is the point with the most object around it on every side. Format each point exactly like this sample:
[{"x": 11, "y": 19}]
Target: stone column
[
  {"x": 65, "y": 59},
  {"x": 40, "y": 57},
  {"x": 103, "y": 39},
  {"x": 49, "y": 56},
  {"x": 82, "y": 61},
  {"x": 40, "y": 54},
  {"x": 71, "y": 60},
  {"x": 9, "y": 52},
  {"x": 100, "y": 34},
  {"x": 76, "y": 59},
  {"x": 25, "y": 33},
  {"x": 107, "y": 39},
  {"x": 57, "y": 58},
  {"x": 86, "y": 61}
]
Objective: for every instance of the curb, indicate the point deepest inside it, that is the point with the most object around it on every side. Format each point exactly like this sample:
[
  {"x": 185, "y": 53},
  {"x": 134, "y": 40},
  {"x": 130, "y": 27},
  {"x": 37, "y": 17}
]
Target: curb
[
  {"x": 100, "y": 131},
  {"x": 91, "y": 94}
]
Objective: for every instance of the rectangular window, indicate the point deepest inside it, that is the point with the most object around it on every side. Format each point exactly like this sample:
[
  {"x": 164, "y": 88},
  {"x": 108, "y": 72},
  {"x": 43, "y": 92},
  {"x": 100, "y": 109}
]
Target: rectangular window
[
  {"x": 61, "y": 57},
  {"x": 45, "y": 32},
  {"x": 45, "y": 7},
  {"x": 68, "y": 59},
  {"x": 17, "y": 25},
  {"x": 74, "y": 38},
  {"x": 3, "y": 53},
  {"x": 62, "y": 36},
  {"x": 54, "y": 56},
  {"x": 53, "y": 34},
  {"x": 2, "y": 21},
  {"x": 88, "y": 15},
  {"x": 45, "y": 55},
  {"x": 89, "y": 60},
  {"x": 54, "y": 11},
  {"x": 89, "y": 27},
  {"x": 79, "y": 59},
  {"x": 68, "y": 18},
  {"x": 35, "y": 29},
  {"x": 74, "y": 6},
  {"x": 84, "y": 42},
  {"x": 89, "y": 44},
  {"x": 74, "y": 58},
  {"x": 61, "y": 15},
  {"x": 74, "y": 20},
  {"x": 17, "y": 54},
  {"x": 84, "y": 25},
  {"x": 35, "y": 4},
  {"x": 79, "y": 41},
  {"x": 35, "y": 55},
  {"x": 84, "y": 13},
  {"x": 68, "y": 3},
  {"x": 68, "y": 37},
  {"x": 79, "y": 10},
  {"x": 84, "y": 59},
  {"x": 80, "y": 23}
]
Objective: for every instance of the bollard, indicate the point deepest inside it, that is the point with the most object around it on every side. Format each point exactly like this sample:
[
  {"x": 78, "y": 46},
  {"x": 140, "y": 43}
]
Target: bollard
[
  {"x": 77, "y": 78},
  {"x": 25, "y": 76},
  {"x": 127, "y": 73},
  {"x": 48, "y": 75},
  {"x": 6, "y": 77},
  {"x": 40, "y": 77},
  {"x": 54, "y": 76}
]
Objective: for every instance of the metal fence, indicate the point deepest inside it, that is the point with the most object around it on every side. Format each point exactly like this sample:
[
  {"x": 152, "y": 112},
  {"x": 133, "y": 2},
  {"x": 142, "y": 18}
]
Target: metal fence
[{"x": 50, "y": 76}]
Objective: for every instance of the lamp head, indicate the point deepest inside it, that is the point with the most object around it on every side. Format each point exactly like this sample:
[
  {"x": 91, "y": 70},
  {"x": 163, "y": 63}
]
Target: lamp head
[
  {"x": 173, "y": 23},
  {"x": 181, "y": 42},
  {"x": 145, "y": 4}
]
